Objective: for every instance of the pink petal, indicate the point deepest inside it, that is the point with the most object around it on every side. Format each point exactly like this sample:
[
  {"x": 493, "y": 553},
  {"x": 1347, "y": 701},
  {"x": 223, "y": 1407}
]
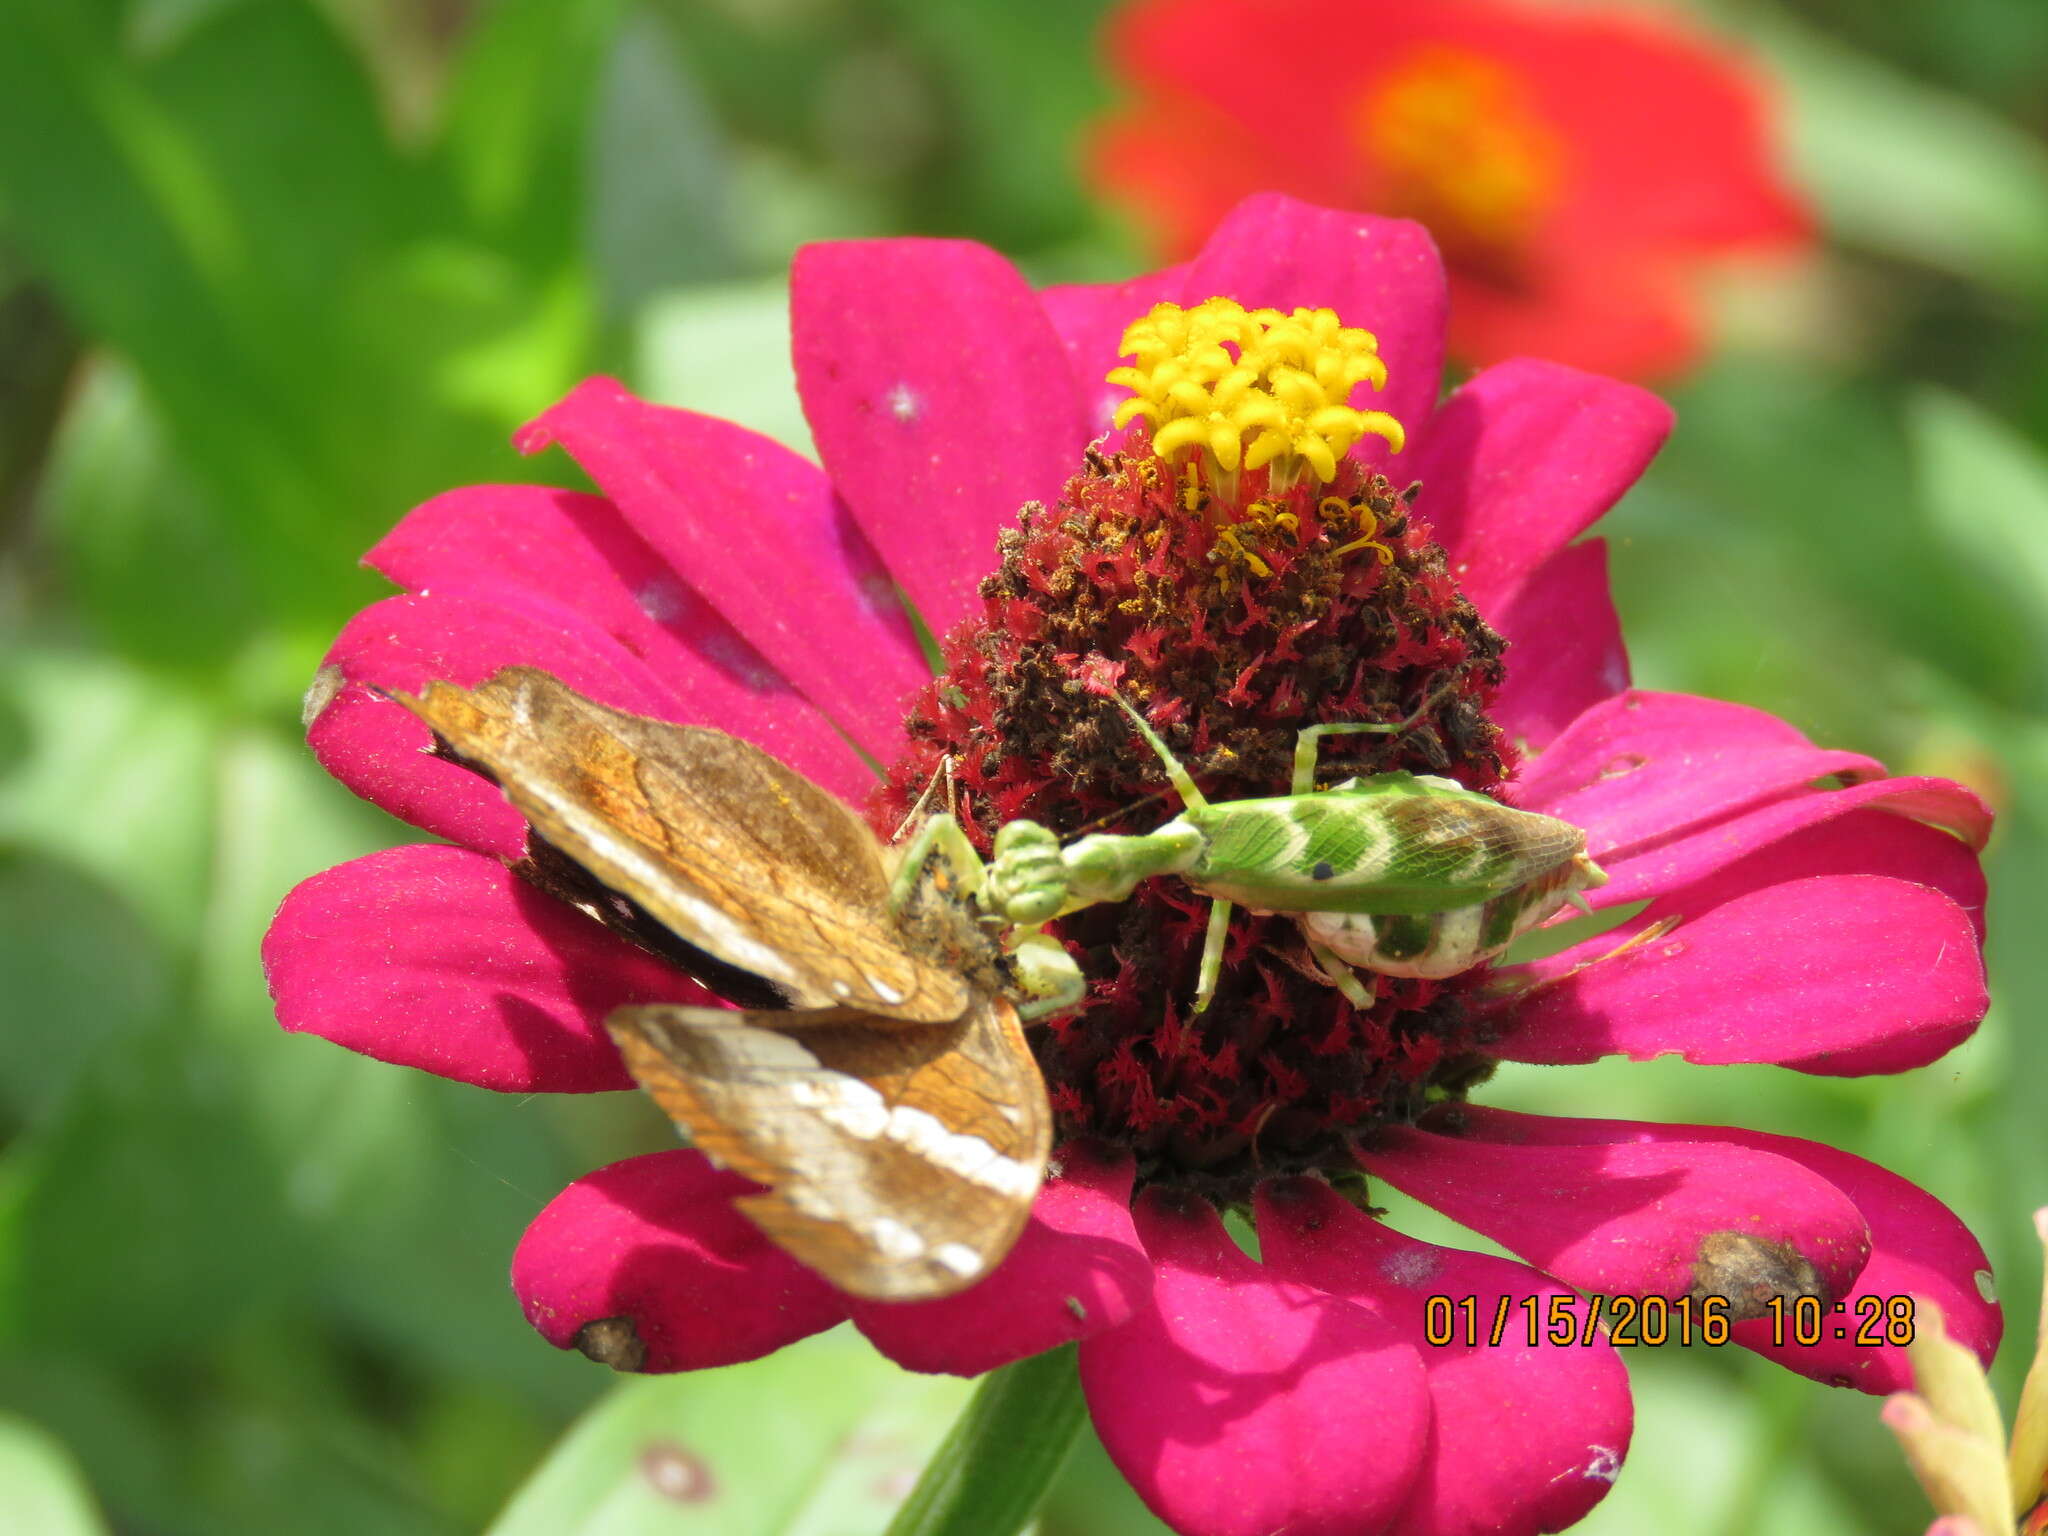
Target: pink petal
[
  {"x": 1091, "y": 319},
  {"x": 1864, "y": 839},
  {"x": 1523, "y": 459},
  {"x": 378, "y": 749},
  {"x": 941, "y": 401},
  {"x": 1239, "y": 1404},
  {"x": 1918, "y": 1248},
  {"x": 519, "y": 542},
  {"x": 443, "y": 959},
  {"x": 759, "y": 532},
  {"x": 1077, "y": 1271},
  {"x": 1618, "y": 1207},
  {"x": 1527, "y": 1436},
  {"x": 1642, "y": 767},
  {"x": 1802, "y": 969},
  {"x": 1382, "y": 274},
  {"x": 656, "y": 1241},
  {"x": 1565, "y": 651},
  {"x": 1698, "y": 851}
]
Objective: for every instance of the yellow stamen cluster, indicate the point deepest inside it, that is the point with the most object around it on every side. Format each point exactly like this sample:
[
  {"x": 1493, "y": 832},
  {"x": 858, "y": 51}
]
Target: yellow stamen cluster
[{"x": 1252, "y": 388}]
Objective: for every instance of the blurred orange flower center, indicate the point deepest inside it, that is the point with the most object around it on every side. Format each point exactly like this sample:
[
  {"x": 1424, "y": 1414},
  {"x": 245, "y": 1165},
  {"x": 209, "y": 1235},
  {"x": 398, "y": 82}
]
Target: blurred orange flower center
[{"x": 1452, "y": 140}]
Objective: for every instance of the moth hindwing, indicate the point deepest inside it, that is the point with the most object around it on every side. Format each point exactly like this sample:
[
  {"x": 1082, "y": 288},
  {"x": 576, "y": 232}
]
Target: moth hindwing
[
  {"x": 900, "y": 1163},
  {"x": 894, "y": 1112}
]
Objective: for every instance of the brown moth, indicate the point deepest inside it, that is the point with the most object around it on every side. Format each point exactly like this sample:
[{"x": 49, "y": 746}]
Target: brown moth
[{"x": 881, "y": 1089}]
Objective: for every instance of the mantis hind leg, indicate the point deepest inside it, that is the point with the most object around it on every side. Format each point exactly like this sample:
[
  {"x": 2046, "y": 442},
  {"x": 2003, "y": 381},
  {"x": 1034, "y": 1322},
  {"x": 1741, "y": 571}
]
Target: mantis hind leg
[
  {"x": 1307, "y": 742},
  {"x": 1212, "y": 954},
  {"x": 1342, "y": 976},
  {"x": 1308, "y": 739}
]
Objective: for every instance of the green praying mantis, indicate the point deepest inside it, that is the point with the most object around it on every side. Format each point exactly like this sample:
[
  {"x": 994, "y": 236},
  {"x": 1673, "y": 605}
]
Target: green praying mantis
[{"x": 1394, "y": 874}]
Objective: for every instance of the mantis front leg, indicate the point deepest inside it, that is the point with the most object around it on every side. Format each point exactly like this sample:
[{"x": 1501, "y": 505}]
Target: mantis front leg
[
  {"x": 1044, "y": 969},
  {"x": 941, "y": 832}
]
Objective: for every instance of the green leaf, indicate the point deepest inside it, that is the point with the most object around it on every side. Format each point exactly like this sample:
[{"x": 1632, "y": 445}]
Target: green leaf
[
  {"x": 1984, "y": 490},
  {"x": 41, "y": 1490},
  {"x": 137, "y": 541},
  {"x": 1908, "y": 169},
  {"x": 515, "y": 120},
  {"x": 115, "y": 779},
  {"x": 821, "y": 1439},
  {"x": 329, "y": 330},
  {"x": 154, "y": 1148},
  {"x": 80, "y": 971}
]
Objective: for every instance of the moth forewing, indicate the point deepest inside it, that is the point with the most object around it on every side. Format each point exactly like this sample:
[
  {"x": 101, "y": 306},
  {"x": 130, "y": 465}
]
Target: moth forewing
[
  {"x": 724, "y": 846},
  {"x": 900, "y": 1163}
]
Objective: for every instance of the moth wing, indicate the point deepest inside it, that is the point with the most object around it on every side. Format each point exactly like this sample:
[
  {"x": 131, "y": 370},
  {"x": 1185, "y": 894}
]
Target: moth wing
[
  {"x": 900, "y": 1163},
  {"x": 723, "y": 845}
]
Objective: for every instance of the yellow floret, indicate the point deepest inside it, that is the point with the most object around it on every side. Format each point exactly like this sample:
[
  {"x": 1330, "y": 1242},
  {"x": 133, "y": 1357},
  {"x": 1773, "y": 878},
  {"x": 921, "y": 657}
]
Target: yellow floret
[{"x": 1252, "y": 389}]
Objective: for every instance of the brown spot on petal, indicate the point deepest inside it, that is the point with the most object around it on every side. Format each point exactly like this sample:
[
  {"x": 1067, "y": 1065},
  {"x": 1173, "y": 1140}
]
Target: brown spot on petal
[
  {"x": 1749, "y": 1272},
  {"x": 612, "y": 1341},
  {"x": 675, "y": 1472}
]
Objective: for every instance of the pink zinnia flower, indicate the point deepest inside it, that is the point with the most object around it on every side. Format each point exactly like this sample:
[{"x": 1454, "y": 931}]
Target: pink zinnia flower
[{"x": 1802, "y": 908}]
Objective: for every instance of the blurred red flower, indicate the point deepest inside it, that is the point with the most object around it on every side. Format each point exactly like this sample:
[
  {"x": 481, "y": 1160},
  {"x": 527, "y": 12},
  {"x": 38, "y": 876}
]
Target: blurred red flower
[{"x": 1578, "y": 168}]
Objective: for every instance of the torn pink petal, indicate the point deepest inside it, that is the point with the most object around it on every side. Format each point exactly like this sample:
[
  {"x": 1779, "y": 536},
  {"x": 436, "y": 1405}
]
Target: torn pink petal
[
  {"x": 1865, "y": 841},
  {"x": 1619, "y": 1207},
  {"x": 758, "y": 531},
  {"x": 379, "y": 751},
  {"x": 1918, "y": 1249},
  {"x": 1239, "y": 1404},
  {"x": 1565, "y": 652},
  {"x": 1802, "y": 969},
  {"x": 443, "y": 959},
  {"x": 514, "y": 542},
  {"x": 941, "y": 401},
  {"x": 1091, "y": 319},
  {"x": 655, "y": 1243},
  {"x": 1523, "y": 459},
  {"x": 1529, "y": 1431},
  {"x": 401, "y": 644},
  {"x": 1383, "y": 275},
  {"x": 1077, "y": 1271},
  {"x": 1640, "y": 767},
  {"x": 1698, "y": 852}
]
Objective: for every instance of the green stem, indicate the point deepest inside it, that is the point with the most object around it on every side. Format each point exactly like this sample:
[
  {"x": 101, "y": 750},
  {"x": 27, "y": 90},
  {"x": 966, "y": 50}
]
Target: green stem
[{"x": 998, "y": 1460}]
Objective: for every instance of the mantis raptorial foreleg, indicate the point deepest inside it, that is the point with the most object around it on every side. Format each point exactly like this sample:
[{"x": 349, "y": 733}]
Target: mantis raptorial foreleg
[{"x": 1044, "y": 968}]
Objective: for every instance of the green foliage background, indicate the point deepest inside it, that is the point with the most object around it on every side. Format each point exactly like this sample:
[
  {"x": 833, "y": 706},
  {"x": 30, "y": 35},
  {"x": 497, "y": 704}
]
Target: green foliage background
[{"x": 272, "y": 271}]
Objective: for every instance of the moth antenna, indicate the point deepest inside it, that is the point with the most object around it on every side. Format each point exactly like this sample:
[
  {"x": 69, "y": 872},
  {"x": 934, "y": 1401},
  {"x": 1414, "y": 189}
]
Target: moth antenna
[
  {"x": 1183, "y": 786},
  {"x": 1108, "y": 816},
  {"x": 916, "y": 812}
]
